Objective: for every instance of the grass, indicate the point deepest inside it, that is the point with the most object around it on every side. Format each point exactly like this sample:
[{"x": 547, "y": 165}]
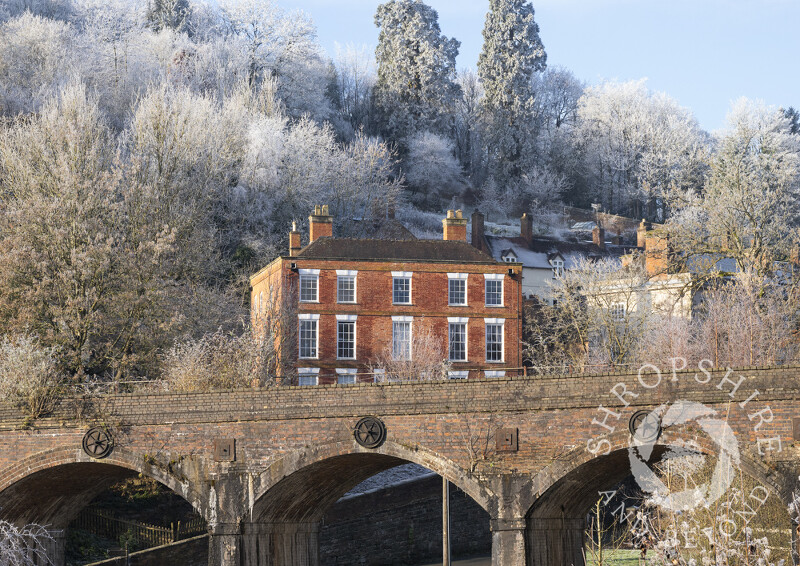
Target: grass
[{"x": 615, "y": 558}]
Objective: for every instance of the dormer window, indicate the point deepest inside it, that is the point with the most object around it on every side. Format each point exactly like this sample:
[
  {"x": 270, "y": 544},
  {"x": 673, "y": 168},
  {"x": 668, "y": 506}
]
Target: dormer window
[{"x": 508, "y": 256}]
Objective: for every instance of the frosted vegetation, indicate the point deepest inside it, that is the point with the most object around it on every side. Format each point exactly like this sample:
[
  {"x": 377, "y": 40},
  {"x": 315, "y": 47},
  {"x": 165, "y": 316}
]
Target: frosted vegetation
[{"x": 153, "y": 156}]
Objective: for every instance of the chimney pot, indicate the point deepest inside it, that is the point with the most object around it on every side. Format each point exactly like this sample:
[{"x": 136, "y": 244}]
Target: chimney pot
[
  {"x": 599, "y": 237},
  {"x": 478, "y": 231},
  {"x": 294, "y": 240},
  {"x": 455, "y": 226},
  {"x": 526, "y": 228},
  {"x": 320, "y": 224},
  {"x": 641, "y": 234}
]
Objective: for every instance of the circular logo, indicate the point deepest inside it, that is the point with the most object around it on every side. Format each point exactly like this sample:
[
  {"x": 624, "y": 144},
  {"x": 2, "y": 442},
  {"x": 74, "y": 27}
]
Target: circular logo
[
  {"x": 370, "y": 432},
  {"x": 640, "y": 450},
  {"x": 645, "y": 426},
  {"x": 97, "y": 443}
]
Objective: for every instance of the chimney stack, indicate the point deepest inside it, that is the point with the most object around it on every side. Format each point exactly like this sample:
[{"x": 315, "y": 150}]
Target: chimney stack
[
  {"x": 294, "y": 240},
  {"x": 478, "y": 230},
  {"x": 455, "y": 226},
  {"x": 641, "y": 234},
  {"x": 599, "y": 237},
  {"x": 526, "y": 228},
  {"x": 320, "y": 224}
]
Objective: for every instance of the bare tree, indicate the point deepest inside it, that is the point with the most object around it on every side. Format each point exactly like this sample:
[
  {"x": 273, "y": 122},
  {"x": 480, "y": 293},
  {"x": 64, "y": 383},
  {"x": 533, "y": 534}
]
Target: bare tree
[
  {"x": 427, "y": 359},
  {"x": 24, "y": 546}
]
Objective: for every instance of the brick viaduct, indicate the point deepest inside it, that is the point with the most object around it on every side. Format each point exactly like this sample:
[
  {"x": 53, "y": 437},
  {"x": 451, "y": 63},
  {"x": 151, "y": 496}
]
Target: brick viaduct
[{"x": 295, "y": 453}]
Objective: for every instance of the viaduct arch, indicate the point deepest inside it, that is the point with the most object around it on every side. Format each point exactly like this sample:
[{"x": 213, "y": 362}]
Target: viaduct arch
[{"x": 291, "y": 453}]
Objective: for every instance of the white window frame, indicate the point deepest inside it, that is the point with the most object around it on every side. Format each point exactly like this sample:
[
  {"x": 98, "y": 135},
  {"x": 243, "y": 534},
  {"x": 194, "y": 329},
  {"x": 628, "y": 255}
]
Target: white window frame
[
  {"x": 341, "y": 275},
  {"x": 346, "y": 318},
  {"x": 461, "y": 321},
  {"x": 451, "y": 277},
  {"x": 501, "y": 322},
  {"x": 405, "y": 320},
  {"x": 558, "y": 268},
  {"x": 461, "y": 374},
  {"x": 618, "y": 311},
  {"x": 309, "y": 275},
  {"x": 493, "y": 277},
  {"x": 307, "y": 318},
  {"x": 494, "y": 373},
  {"x": 378, "y": 372},
  {"x": 346, "y": 376},
  {"x": 396, "y": 275},
  {"x": 307, "y": 374}
]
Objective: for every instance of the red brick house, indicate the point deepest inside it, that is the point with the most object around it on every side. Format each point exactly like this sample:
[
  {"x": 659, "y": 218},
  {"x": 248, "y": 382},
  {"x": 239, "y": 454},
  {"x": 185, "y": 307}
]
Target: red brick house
[{"x": 356, "y": 298}]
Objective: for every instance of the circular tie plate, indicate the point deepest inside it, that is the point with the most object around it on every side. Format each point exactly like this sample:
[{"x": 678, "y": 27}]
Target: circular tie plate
[
  {"x": 97, "y": 443},
  {"x": 370, "y": 432},
  {"x": 645, "y": 426}
]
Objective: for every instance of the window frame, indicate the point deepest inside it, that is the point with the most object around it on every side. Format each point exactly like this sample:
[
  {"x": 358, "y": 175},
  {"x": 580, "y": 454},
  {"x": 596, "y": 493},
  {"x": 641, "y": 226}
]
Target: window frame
[
  {"x": 494, "y": 323},
  {"x": 458, "y": 374},
  {"x": 308, "y": 318},
  {"x": 406, "y": 321},
  {"x": 306, "y": 373},
  {"x": 309, "y": 275},
  {"x": 492, "y": 374},
  {"x": 558, "y": 267},
  {"x": 342, "y": 275},
  {"x": 463, "y": 322},
  {"x": 613, "y": 311},
  {"x": 461, "y": 278},
  {"x": 345, "y": 319},
  {"x": 399, "y": 276},
  {"x": 494, "y": 278},
  {"x": 350, "y": 373}
]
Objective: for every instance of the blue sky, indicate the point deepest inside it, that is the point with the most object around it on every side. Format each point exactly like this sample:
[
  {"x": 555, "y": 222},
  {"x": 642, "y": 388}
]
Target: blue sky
[{"x": 703, "y": 53}]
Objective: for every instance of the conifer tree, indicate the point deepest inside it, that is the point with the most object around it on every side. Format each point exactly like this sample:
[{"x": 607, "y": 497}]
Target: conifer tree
[
  {"x": 512, "y": 52},
  {"x": 416, "y": 86}
]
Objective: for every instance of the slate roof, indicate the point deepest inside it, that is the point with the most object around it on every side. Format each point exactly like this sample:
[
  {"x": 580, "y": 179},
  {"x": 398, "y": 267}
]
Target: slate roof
[
  {"x": 541, "y": 250},
  {"x": 394, "y": 250}
]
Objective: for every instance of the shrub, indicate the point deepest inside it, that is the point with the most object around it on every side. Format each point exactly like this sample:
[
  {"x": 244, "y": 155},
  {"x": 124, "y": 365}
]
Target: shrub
[
  {"x": 29, "y": 375},
  {"x": 217, "y": 361}
]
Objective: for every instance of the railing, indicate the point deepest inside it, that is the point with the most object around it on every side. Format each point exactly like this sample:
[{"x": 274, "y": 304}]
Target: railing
[{"x": 107, "y": 525}]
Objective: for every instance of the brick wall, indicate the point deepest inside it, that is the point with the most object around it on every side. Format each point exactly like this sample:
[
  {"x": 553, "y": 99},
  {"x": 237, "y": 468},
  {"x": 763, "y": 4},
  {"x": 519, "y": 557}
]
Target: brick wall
[
  {"x": 189, "y": 552},
  {"x": 171, "y": 436},
  {"x": 374, "y": 308},
  {"x": 402, "y": 525}
]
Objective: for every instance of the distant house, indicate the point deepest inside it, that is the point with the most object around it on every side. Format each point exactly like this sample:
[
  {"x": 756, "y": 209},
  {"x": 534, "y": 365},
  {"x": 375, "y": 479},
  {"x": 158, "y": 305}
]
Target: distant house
[
  {"x": 358, "y": 297},
  {"x": 542, "y": 259}
]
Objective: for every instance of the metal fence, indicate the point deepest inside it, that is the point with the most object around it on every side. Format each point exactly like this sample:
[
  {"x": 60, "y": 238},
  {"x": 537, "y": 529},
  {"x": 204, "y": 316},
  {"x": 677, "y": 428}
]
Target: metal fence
[{"x": 105, "y": 524}]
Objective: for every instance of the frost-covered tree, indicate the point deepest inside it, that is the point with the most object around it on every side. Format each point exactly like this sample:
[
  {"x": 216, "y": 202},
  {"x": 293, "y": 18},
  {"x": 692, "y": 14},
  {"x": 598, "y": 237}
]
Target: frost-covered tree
[
  {"x": 512, "y": 52},
  {"x": 64, "y": 10},
  {"x": 168, "y": 14},
  {"x": 748, "y": 207},
  {"x": 38, "y": 55},
  {"x": 355, "y": 78},
  {"x": 637, "y": 145},
  {"x": 467, "y": 126},
  {"x": 433, "y": 172},
  {"x": 794, "y": 119},
  {"x": 416, "y": 87},
  {"x": 282, "y": 46},
  {"x": 556, "y": 93}
]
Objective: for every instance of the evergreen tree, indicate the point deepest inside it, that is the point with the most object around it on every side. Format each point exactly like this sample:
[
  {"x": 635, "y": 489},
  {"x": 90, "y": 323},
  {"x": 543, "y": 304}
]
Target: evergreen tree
[
  {"x": 512, "y": 52},
  {"x": 794, "y": 119},
  {"x": 416, "y": 86},
  {"x": 171, "y": 14}
]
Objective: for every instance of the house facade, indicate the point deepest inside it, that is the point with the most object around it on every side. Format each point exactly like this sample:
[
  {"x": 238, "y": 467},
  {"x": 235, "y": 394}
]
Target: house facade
[
  {"x": 543, "y": 259},
  {"x": 359, "y": 301}
]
